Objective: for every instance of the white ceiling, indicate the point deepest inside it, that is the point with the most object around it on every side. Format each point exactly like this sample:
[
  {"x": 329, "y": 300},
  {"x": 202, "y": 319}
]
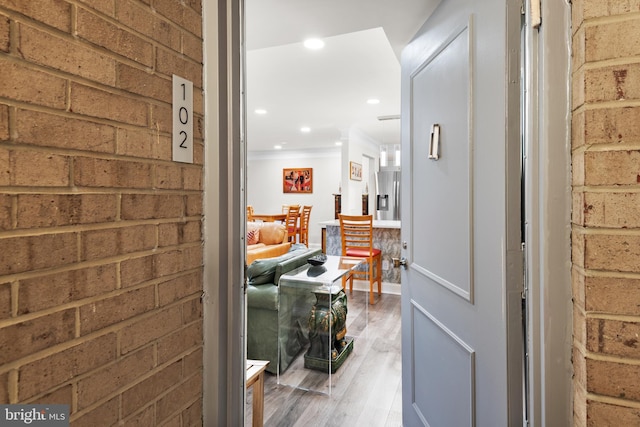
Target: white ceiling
[{"x": 325, "y": 89}]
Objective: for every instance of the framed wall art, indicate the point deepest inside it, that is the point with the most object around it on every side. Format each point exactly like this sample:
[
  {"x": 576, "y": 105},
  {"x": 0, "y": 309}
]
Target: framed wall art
[
  {"x": 297, "y": 180},
  {"x": 356, "y": 171}
]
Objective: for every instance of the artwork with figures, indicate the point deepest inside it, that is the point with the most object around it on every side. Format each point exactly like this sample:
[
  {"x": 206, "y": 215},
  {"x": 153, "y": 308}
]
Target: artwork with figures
[
  {"x": 299, "y": 180},
  {"x": 355, "y": 171}
]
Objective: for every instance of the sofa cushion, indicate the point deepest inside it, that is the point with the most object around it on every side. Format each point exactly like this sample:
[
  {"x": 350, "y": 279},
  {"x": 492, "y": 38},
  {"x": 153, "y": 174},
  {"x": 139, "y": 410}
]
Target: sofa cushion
[
  {"x": 273, "y": 234},
  {"x": 301, "y": 255},
  {"x": 263, "y": 270},
  {"x": 262, "y": 251},
  {"x": 263, "y": 296}
]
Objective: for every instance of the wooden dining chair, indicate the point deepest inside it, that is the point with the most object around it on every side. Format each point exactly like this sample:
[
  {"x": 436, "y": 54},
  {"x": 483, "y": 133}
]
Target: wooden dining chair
[
  {"x": 291, "y": 222},
  {"x": 303, "y": 228},
  {"x": 356, "y": 232}
]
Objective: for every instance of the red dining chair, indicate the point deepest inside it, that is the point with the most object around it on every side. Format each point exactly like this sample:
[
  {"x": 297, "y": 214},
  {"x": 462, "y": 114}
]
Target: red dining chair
[{"x": 356, "y": 232}]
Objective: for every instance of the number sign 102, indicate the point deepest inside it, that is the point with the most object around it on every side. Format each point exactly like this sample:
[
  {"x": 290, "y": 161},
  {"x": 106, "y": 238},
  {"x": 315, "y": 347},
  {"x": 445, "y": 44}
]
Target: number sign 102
[{"x": 182, "y": 120}]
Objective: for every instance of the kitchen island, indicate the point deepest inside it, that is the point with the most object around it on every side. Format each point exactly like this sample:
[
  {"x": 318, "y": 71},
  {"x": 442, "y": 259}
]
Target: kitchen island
[{"x": 386, "y": 237}]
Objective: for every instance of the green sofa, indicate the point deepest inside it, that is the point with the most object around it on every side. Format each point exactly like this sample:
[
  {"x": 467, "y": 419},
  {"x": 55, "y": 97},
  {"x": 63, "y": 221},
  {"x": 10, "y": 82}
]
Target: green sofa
[{"x": 273, "y": 324}]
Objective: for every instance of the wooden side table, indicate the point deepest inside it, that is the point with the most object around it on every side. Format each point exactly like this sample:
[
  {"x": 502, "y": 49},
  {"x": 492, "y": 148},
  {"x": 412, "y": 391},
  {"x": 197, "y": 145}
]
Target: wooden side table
[{"x": 255, "y": 379}]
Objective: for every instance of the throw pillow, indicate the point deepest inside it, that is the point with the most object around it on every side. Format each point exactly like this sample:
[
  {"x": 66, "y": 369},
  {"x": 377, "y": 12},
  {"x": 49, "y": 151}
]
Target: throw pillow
[{"x": 253, "y": 236}]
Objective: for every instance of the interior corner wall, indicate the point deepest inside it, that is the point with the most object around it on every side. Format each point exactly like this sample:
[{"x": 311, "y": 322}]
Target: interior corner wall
[
  {"x": 265, "y": 186},
  {"x": 100, "y": 231}
]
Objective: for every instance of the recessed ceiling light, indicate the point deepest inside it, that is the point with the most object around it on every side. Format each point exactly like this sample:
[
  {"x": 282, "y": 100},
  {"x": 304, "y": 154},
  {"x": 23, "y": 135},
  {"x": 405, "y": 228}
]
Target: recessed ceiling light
[
  {"x": 260, "y": 111},
  {"x": 314, "y": 44},
  {"x": 277, "y": 147},
  {"x": 338, "y": 143},
  {"x": 305, "y": 129},
  {"x": 373, "y": 101}
]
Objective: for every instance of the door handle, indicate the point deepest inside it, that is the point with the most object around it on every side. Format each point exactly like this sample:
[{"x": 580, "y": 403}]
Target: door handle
[
  {"x": 434, "y": 144},
  {"x": 397, "y": 262}
]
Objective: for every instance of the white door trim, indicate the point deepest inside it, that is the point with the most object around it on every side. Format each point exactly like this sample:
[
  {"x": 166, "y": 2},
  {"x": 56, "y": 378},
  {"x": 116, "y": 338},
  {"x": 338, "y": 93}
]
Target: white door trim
[
  {"x": 223, "y": 290},
  {"x": 548, "y": 215}
]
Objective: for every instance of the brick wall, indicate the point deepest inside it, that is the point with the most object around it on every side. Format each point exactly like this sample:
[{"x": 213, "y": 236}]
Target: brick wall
[
  {"x": 606, "y": 212},
  {"x": 100, "y": 232}
]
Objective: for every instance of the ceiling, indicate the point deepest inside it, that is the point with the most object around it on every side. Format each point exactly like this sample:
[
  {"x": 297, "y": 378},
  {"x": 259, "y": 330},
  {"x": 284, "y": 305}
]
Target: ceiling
[{"x": 326, "y": 89}]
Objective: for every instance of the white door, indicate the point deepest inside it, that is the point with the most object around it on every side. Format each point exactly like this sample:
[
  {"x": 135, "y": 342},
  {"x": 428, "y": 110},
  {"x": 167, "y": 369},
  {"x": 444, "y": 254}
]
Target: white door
[{"x": 461, "y": 321}]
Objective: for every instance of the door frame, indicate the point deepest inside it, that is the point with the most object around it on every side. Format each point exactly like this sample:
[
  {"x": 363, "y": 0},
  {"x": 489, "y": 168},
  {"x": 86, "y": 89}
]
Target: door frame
[
  {"x": 223, "y": 299},
  {"x": 547, "y": 160},
  {"x": 547, "y": 214}
]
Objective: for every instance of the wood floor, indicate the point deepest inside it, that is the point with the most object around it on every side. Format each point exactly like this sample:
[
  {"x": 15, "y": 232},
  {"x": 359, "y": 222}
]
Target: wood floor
[{"x": 365, "y": 391}]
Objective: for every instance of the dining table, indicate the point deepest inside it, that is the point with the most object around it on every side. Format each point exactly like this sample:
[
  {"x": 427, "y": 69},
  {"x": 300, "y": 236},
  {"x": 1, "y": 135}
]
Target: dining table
[{"x": 269, "y": 217}]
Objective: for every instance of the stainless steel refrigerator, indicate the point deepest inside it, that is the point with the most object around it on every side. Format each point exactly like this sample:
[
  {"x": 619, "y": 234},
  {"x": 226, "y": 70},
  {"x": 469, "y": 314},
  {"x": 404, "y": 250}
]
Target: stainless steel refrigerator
[{"x": 388, "y": 195}]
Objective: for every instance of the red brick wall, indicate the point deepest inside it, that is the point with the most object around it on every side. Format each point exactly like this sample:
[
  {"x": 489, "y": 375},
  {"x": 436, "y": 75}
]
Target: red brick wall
[
  {"x": 100, "y": 231},
  {"x": 606, "y": 212}
]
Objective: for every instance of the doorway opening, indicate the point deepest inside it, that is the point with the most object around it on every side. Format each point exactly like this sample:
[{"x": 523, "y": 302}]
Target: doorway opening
[{"x": 353, "y": 68}]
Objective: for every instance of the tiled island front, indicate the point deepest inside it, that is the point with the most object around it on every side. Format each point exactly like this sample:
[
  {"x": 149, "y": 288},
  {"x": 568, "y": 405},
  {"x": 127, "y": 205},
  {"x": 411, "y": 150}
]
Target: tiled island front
[{"x": 386, "y": 237}]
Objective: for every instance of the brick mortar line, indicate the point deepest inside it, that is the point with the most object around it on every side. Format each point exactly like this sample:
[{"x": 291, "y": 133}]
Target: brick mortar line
[
  {"x": 606, "y": 189},
  {"x": 611, "y": 105},
  {"x": 89, "y": 264},
  {"x": 113, "y": 328},
  {"x": 577, "y": 344},
  {"x": 613, "y": 62},
  {"x": 153, "y": 402},
  {"x": 77, "y": 304},
  {"x": 613, "y": 400},
  {"x": 79, "y": 228},
  {"x": 610, "y": 19},
  {"x": 78, "y": 190},
  {"x": 183, "y": 408},
  {"x": 610, "y": 147},
  {"x": 609, "y": 274},
  {"x": 578, "y": 307},
  {"x": 612, "y": 359},
  {"x": 115, "y": 21},
  {"x": 18, "y": 18},
  {"x": 153, "y": 130},
  {"x": 97, "y": 298},
  {"x": 13, "y": 386},
  {"x": 114, "y": 90},
  {"x": 611, "y": 316},
  {"x": 95, "y": 263},
  {"x": 579, "y": 149},
  {"x": 102, "y": 401},
  {"x": 577, "y": 110},
  {"x": 74, "y": 154},
  {"x": 591, "y": 231}
]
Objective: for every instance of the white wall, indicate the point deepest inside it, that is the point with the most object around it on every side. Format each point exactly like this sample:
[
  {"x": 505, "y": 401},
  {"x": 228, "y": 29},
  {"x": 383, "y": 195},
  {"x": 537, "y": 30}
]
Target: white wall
[
  {"x": 264, "y": 184},
  {"x": 360, "y": 146},
  {"x": 330, "y": 173}
]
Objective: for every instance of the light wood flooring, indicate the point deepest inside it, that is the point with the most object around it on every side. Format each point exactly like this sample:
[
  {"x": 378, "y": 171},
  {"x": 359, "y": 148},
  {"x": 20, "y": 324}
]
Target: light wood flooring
[{"x": 365, "y": 391}]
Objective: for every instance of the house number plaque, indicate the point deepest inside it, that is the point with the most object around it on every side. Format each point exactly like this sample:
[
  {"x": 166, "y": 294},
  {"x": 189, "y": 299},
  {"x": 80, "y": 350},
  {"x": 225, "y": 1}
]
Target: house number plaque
[{"x": 182, "y": 120}]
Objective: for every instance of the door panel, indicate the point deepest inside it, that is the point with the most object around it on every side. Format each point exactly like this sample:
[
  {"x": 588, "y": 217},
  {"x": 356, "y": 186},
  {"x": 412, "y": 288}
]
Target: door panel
[
  {"x": 442, "y": 86},
  {"x": 455, "y": 311},
  {"x": 448, "y": 364}
]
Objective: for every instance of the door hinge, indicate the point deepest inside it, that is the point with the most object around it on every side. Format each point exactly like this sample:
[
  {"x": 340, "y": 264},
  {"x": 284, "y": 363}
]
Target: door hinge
[{"x": 525, "y": 283}]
